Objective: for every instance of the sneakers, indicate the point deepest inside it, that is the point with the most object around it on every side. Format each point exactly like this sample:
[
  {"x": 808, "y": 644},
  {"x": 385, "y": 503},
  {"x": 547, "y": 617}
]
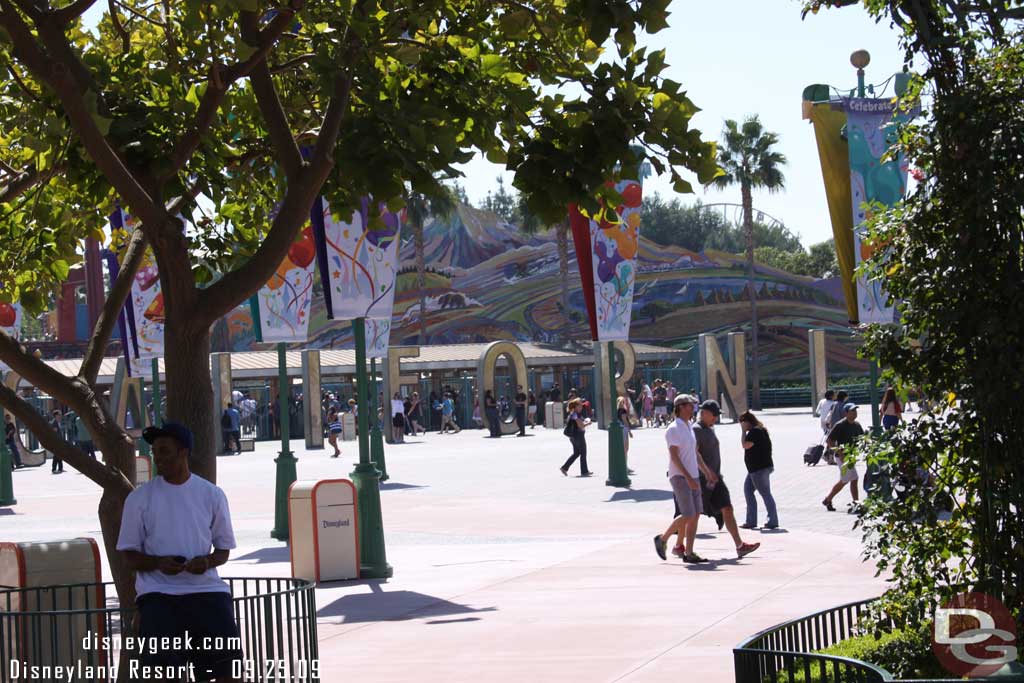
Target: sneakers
[
  {"x": 748, "y": 526},
  {"x": 659, "y": 547},
  {"x": 564, "y": 472},
  {"x": 587, "y": 474},
  {"x": 693, "y": 559},
  {"x": 828, "y": 505},
  {"x": 678, "y": 551},
  {"x": 772, "y": 526},
  {"x": 746, "y": 549}
]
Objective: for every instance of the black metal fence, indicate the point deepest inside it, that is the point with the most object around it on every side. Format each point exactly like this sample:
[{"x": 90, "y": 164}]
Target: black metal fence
[
  {"x": 81, "y": 626},
  {"x": 790, "y": 652}
]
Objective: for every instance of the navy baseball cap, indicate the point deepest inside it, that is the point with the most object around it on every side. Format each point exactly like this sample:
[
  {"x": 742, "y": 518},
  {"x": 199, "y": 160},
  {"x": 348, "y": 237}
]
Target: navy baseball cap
[
  {"x": 712, "y": 406},
  {"x": 849, "y": 406},
  {"x": 175, "y": 430}
]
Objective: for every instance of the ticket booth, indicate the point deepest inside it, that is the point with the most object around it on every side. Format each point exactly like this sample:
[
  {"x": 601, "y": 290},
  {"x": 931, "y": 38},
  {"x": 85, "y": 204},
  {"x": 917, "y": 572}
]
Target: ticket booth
[
  {"x": 323, "y": 530},
  {"x": 554, "y": 415},
  {"x": 33, "y": 570}
]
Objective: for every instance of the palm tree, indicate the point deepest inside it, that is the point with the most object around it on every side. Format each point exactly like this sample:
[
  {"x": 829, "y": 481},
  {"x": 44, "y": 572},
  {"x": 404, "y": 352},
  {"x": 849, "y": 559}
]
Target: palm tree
[
  {"x": 419, "y": 207},
  {"x": 749, "y": 160},
  {"x": 530, "y": 224}
]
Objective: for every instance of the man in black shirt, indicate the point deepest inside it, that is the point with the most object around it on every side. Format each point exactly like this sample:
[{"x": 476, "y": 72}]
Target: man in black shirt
[
  {"x": 520, "y": 410},
  {"x": 841, "y": 435}
]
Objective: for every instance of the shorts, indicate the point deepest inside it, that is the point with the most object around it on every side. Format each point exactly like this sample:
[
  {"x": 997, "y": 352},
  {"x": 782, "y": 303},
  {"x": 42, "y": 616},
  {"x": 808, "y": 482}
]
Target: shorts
[
  {"x": 398, "y": 420},
  {"x": 715, "y": 499},
  {"x": 846, "y": 475},
  {"x": 688, "y": 502},
  {"x": 206, "y": 618},
  {"x": 531, "y": 410}
]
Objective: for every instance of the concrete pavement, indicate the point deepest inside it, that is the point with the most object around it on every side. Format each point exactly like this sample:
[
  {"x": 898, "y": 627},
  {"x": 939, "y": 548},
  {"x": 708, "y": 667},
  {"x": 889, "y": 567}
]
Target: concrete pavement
[{"x": 505, "y": 569}]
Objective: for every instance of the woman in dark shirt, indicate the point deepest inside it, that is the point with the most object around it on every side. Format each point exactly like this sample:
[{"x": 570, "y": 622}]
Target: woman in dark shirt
[{"x": 757, "y": 456}]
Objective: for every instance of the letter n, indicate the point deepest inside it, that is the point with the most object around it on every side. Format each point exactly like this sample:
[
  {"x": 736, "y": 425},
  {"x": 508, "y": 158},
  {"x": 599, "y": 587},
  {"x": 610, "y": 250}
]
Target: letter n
[{"x": 726, "y": 383}]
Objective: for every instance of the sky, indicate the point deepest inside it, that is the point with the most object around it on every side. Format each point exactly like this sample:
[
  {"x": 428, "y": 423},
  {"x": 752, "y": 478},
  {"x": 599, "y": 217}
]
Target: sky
[{"x": 741, "y": 57}]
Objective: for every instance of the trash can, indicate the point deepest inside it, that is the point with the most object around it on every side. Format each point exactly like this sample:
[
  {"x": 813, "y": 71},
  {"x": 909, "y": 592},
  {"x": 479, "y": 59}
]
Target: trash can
[
  {"x": 554, "y": 415},
  {"x": 143, "y": 470},
  {"x": 323, "y": 530},
  {"x": 348, "y": 427},
  {"x": 56, "y": 637}
]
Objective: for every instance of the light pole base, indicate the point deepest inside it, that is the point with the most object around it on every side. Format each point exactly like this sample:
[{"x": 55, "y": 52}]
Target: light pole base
[
  {"x": 6, "y": 480},
  {"x": 377, "y": 452},
  {"x": 373, "y": 556},
  {"x": 618, "y": 474},
  {"x": 286, "y": 476}
]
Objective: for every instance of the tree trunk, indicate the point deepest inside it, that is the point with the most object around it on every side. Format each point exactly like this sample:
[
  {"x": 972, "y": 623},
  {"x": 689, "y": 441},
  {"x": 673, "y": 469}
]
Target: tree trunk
[
  {"x": 190, "y": 392},
  {"x": 748, "y": 231},
  {"x": 421, "y": 275},
  {"x": 562, "y": 240}
]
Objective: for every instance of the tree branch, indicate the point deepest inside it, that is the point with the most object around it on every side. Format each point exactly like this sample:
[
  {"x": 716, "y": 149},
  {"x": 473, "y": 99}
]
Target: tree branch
[
  {"x": 119, "y": 293},
  {"x": 291, "y": 63},
  {"x": 57, "y": 74},
  {"x": 25, "y": 181},
  {"x": 221, "y": 78},
  {"x": 101, "y": 474},
  {"x": 242, "y": 283},
  {"x": 126, "y": 40},
  {"x": 39, "y": 374},
  {"x": 65, "y": 15},
  {"x": 281, "y": 135}
]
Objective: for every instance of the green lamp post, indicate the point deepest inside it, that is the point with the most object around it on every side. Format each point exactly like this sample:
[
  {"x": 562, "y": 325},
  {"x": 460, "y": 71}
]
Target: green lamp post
[
  {"x": 285, "y": 460},
  {"x": 365, "y": 476},
  {"x": 376, "y": 437},
  {"x": 618, "y": 473},
  {"x": 157, "y": 401},
  {"x": 6, "y": 480},
  {"x": 860, "y": 59}
]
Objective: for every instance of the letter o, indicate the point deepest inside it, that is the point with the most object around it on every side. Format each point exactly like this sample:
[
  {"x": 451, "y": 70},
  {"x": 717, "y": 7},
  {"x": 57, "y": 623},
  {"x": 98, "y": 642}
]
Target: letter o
[{"x": 485, "y": 377}]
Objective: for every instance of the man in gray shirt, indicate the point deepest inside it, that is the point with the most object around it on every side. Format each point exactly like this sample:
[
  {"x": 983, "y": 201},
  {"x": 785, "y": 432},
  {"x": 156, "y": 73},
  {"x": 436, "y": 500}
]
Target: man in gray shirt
[{"x": 717, "y": 501}]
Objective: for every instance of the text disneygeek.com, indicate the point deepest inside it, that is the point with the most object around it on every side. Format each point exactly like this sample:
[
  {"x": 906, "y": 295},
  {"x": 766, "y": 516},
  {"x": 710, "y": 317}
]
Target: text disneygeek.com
[{"x": 100, "y": 658}]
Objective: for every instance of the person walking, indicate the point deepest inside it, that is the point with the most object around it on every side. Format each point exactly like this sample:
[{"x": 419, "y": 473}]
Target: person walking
[
  {"x": 531, "y": 409},
  {"x": 842, "y": 435},
  {"x": 230, "y": 422},
  {"x": 837, "y": 413},
  {"x": 520, "y": 399},
  {"x": 647, "y": 407},
  {"x": 11, "y": 438},
  {"x": 175, "y": 531},
  {"x": 575, "y": 429},
  {"x": 717, "y": 500},
  {"x": 892, "y": 411},
  {"x": 684, "y": 468},
  {"x": 448, "y": 415},
  {"x": 415, "y": 414},
  {"x": 622, "y": 414},
  {"x": 334, "y": 430},
  {"x": 57, "y": 467},
  {"x": 491, "y": 412},
  {"x": 824, "y": 409},
  {"x": 397, "y": 418},
  {"x": 757, "y": 456}
]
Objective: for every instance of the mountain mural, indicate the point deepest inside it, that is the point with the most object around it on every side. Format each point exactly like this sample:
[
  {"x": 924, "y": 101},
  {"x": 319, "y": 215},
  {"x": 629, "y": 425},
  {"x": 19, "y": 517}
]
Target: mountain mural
[{"x": 487, "y": 281}]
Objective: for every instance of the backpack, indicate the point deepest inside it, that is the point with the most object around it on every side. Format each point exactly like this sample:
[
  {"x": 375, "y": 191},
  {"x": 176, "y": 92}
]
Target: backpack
[
  {"x": 225, "y": 419},
  {"x": 571, "y": 429}
]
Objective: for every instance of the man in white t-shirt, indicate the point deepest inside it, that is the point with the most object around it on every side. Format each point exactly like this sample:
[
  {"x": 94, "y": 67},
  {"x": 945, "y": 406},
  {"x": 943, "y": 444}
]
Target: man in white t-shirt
[
  {"x": 824, "y": 409},
  {"x": 684, "y": 468},
  {"x": 169, "y": 527}
]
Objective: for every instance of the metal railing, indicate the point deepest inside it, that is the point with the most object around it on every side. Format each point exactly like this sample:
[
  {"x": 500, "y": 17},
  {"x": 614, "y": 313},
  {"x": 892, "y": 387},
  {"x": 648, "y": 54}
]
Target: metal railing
[
  {"x": 83, "y": 627},
  {"x": 790, "y": 652}
]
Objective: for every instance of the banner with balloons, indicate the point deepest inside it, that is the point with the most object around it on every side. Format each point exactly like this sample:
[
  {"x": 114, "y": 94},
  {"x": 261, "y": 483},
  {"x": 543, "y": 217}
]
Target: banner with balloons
[
  {"x": 282, "y": 306},
  {"x": 870, "y": 131},
  {"x": 606, "y": 246},
  {"x": 358, "y": 261},
  {"x": 146, "y": 312},
  {"x": 10, "y": 323}
]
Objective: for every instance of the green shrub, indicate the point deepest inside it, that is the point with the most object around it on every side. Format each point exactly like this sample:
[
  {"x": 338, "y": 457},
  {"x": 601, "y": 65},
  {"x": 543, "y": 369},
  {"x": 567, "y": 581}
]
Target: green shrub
[{"x": 905, "y": 653}]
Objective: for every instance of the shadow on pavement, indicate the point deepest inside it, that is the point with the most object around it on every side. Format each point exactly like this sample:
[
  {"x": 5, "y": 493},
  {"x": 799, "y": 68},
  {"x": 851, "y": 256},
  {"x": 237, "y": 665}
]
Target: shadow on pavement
[
  {"x": 380, "y": 605},
  {"x": 396, "y": 486},
  {"x": 267, "y": 555},
  {"x": 7, "y": 511},
  {"x": 640, "y": 495},
  {"x": 711, "y": 565}
]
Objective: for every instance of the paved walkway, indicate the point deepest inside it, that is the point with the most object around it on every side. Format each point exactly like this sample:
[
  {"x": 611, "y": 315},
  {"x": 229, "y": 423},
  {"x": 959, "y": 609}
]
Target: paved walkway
[{"x": 505, "y": 570}]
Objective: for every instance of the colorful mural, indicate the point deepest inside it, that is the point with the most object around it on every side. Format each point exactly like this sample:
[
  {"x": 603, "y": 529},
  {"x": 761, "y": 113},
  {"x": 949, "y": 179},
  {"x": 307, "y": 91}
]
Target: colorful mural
[{"x": 487, "y": 281}]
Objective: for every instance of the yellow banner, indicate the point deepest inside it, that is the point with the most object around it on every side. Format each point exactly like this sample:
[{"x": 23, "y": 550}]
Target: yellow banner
[{"x": 835, "y": 171}]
